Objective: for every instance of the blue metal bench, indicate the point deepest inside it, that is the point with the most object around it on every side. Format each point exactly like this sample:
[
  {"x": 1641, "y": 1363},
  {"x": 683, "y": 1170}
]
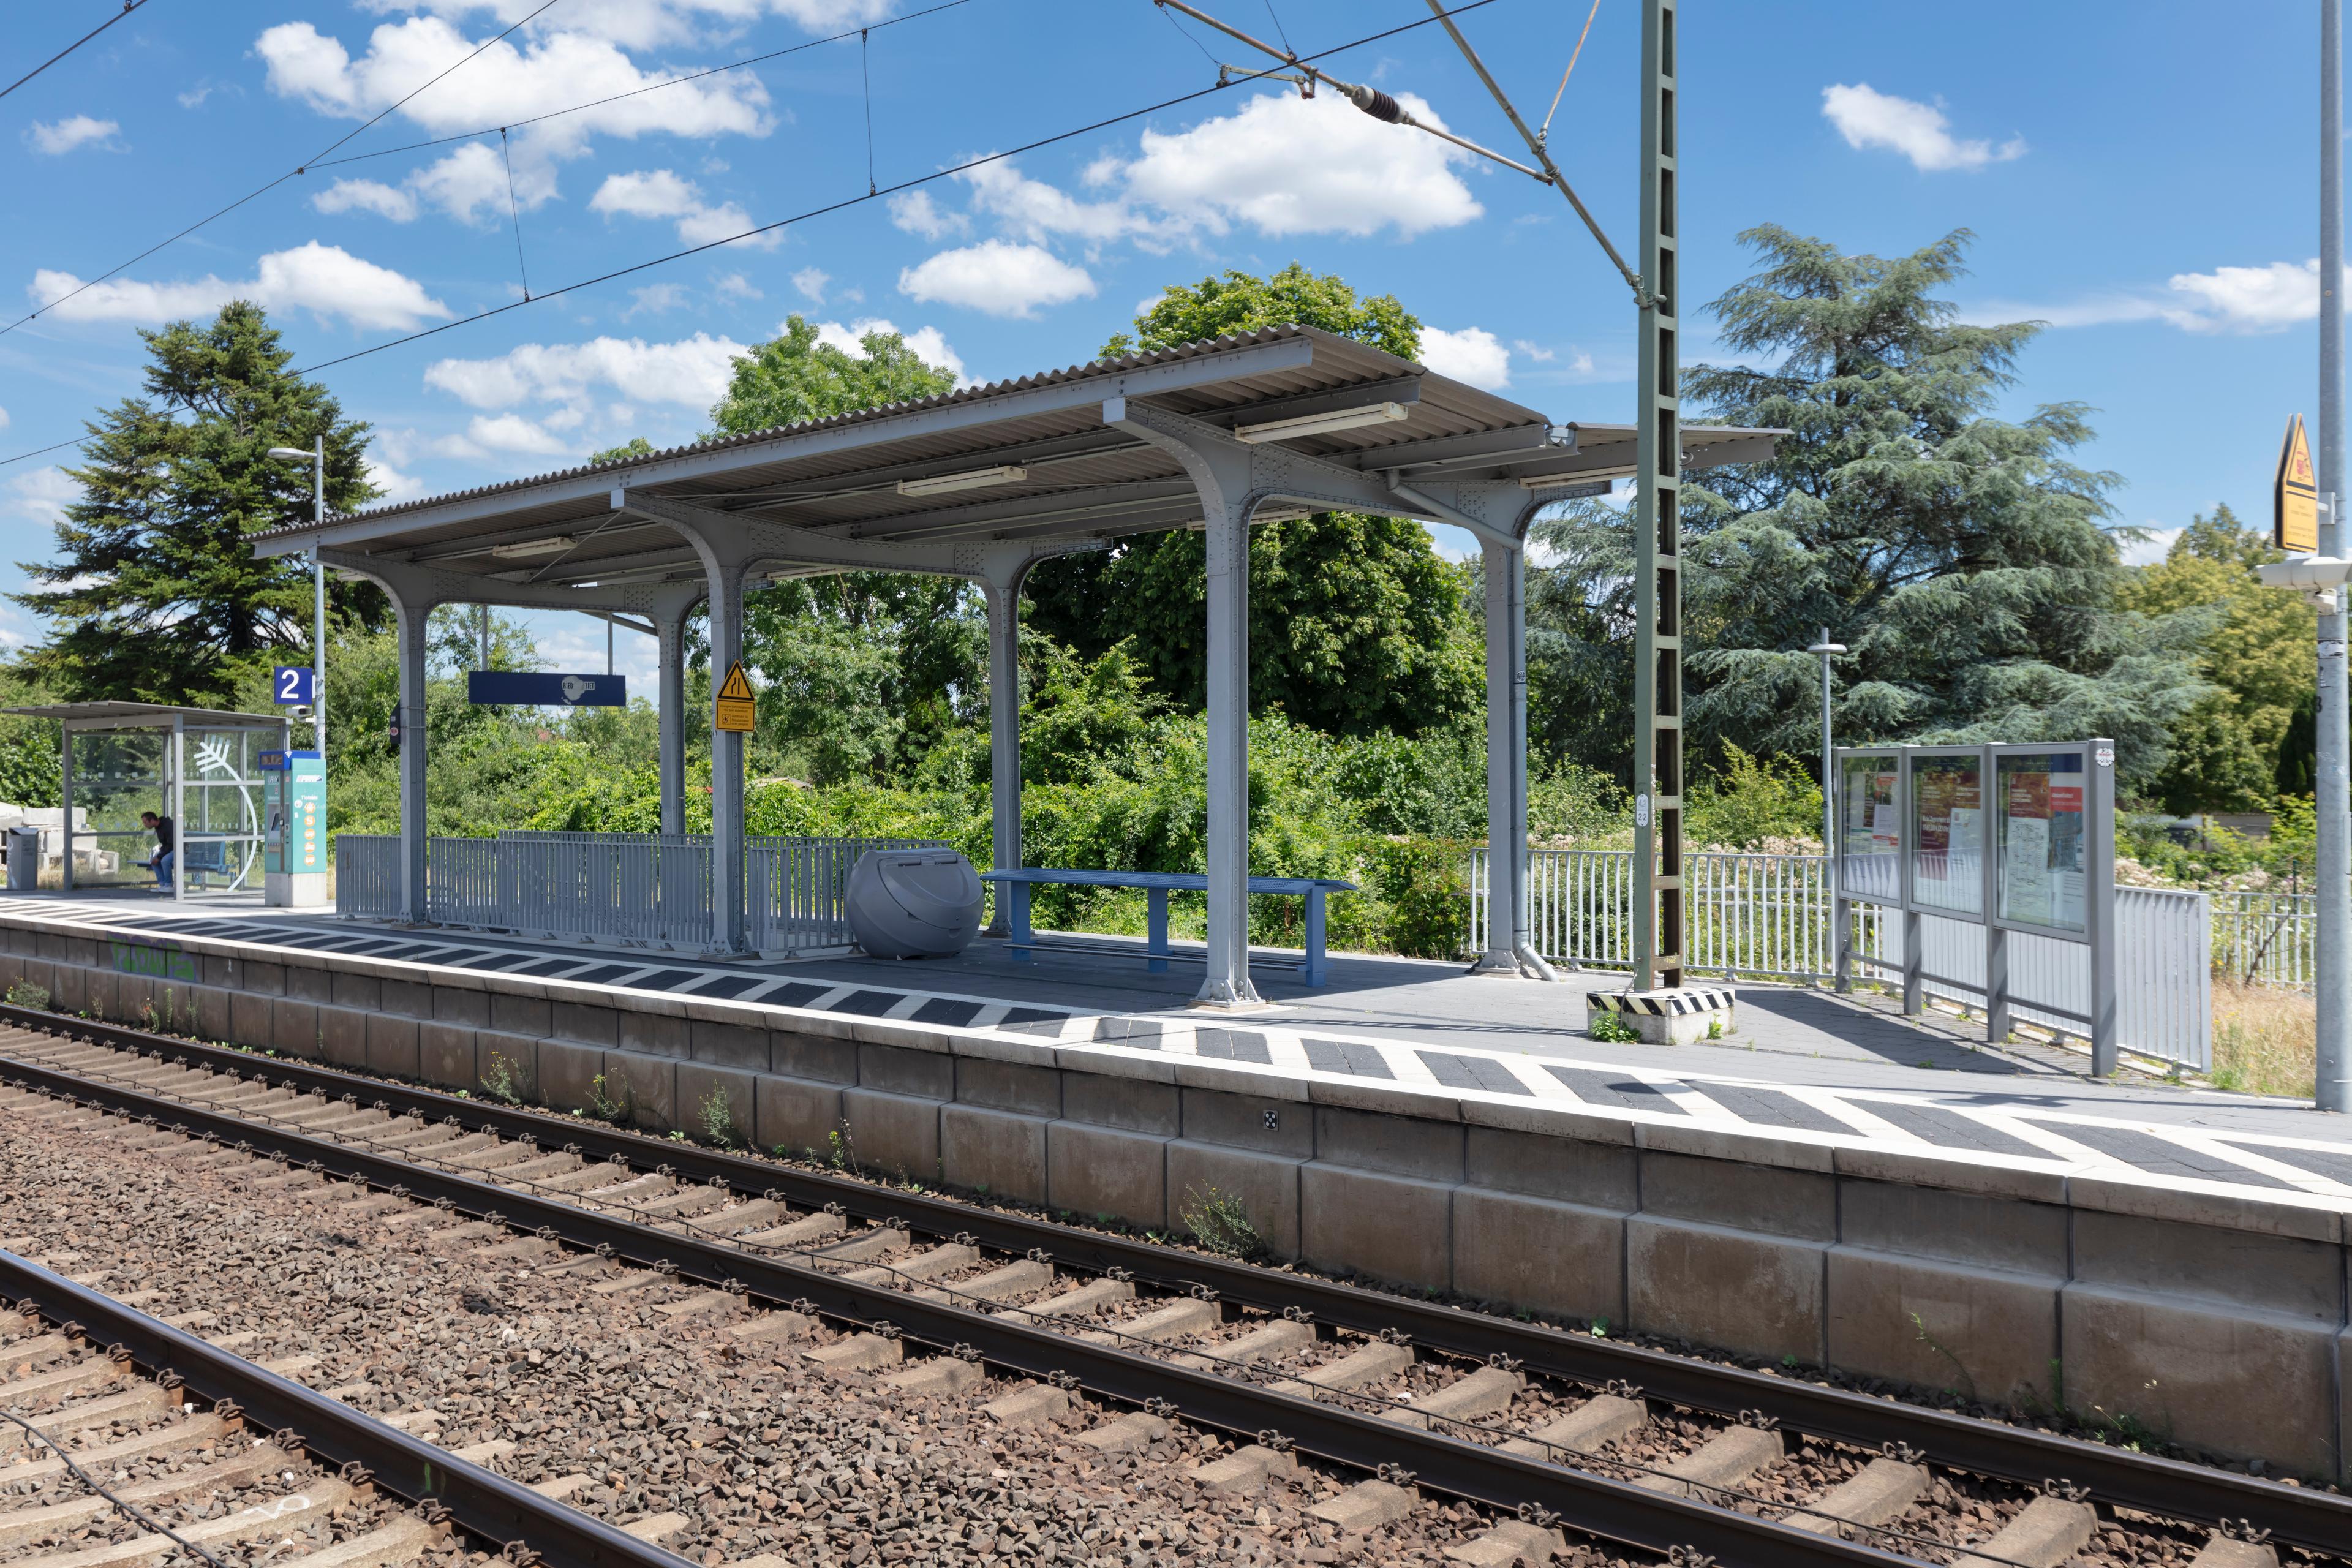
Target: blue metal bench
[
  {"x": 1013, "y": 888},
  {"x": 204, "y": 854}
]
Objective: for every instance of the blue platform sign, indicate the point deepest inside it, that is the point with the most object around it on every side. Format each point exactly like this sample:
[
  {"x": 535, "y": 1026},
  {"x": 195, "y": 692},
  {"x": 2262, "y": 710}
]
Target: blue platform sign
[
  {"x": 293, "y": 684},
  {"x": 529, "y": 688}
]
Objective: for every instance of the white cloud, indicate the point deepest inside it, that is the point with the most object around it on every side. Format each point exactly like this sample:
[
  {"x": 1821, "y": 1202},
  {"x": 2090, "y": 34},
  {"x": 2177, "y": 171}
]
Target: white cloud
[
  {"x": 4, "y": 419},
  {"x": 644, "y": 23},
  {"x": 1868, "y": 118},
  {"x": 530, "y": 73},
  {"x": 735, "y": 286},
  {"x": 691, "y": 373},
  {"x": 1472, "y": 355},
  {"x": 1032, "y": 210},
  {"x": 1000, "y": 279},
  {"x": 2248, "y": 300},
  {"x": 391, "y": 483},
  {"x": 324, "y": 280},
  {"x": 1535, "y": 352},
  {"x": 513, "y": 433},
  {"x": 656, "y": 298},
  {"x": 930, "y": 344},
  {"x": 366, "y": 195},
  {"x": 72, "y": 132},
  {"x": 1289, "y": 166},
  {"x": 2151, "y": 549},
  {"x": 811, "y": 282},
  {"x": 660, "y": 194},
  {"x": 918, "y": 214},
  {"x": 42, "y": 495}
]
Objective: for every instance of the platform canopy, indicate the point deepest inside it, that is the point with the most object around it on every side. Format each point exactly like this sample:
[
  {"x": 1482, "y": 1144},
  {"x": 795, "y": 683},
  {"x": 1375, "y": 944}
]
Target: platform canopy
[
  {"x": 146, "y": 716},
  {"x": 984, "y": 482}
]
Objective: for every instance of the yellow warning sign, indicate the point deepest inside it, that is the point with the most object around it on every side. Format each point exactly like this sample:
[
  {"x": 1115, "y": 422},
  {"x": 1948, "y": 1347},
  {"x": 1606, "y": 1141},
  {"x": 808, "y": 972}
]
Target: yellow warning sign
[
  {"x": 2296, "y": 525},
  {"x": 735, "y": 708}
]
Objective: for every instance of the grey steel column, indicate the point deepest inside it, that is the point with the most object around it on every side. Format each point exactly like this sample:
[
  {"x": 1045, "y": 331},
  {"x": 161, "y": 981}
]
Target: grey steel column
[
  {"x": 415, "y": 634},
  {"x": 1003, "y": 736},
  {"x": 726, "y": 584},
  {"x": 1658, "y": 536},
  {"x": 671, "y": 630},
  {"x": 2334, "y": 788},
  {"x": 175, "y": 801},
  {"x": 1840, "y": 915},
  {"x": 65, "y": 832},
  {"x": 319, "y": 604},
  {"x": 1506, "y": 821},
  {"x": 1227, "y": 983},
  {"x": 2099, "y": 902}
]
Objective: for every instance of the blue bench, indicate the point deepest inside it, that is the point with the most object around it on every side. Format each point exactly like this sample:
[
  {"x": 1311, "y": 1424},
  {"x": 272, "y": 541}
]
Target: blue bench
[
  {"x": 204, "y": 854},
  {"x": 1014, "y": 887}
]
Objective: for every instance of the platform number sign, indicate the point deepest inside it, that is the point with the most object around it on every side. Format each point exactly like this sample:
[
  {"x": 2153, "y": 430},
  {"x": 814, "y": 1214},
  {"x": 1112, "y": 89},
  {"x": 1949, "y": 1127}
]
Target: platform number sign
[{"x": 294, "y": 684}]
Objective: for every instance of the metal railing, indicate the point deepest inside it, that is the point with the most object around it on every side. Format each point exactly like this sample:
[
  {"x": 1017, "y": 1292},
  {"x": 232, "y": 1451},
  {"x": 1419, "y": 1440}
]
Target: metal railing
[
  {"x": 644, "y": 889},
  {"x": 2268, "y": 937},
  {"x": 1768, "y": 916}
]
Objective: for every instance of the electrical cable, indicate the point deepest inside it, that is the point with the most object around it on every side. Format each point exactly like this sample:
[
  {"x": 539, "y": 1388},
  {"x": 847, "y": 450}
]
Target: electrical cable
[
  {"x": 847, "y": 202},
  {"x": 866, "y": 74},
  {"x": 632, "y": 92},
  {"x": 93, "y": 1484},
  {"x": 812, "y": 213},
  {"x": 128, "y": 6},
  {"x": 1543, "y": 132},
  {"x": 514, "y": 211},
  {"x": 299, "y": 169},
  {"x": 1284, "y": 33},
  {"x": 1187, "y": 36}
]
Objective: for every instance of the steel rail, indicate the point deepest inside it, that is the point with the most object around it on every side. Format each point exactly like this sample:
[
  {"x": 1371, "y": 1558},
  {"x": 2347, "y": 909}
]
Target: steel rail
[
  {"x": 485, "y": 1505},
  {"x": 1614, "y": 1511},
  {"x": 2170, "y": 1488}
]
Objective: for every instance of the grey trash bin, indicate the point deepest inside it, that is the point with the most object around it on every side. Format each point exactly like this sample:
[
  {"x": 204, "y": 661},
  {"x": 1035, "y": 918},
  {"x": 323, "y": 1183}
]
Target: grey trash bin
[
  {"x": 914, "y": 903},
  {"x": 24, "y": 850}
]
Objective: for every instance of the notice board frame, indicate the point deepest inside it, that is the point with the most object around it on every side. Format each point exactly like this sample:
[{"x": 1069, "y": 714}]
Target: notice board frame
[{"x": 2094, "y": 851}]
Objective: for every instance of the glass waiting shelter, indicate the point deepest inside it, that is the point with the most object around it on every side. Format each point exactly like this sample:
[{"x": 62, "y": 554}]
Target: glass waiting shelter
[{"x": 199, "y": 766}]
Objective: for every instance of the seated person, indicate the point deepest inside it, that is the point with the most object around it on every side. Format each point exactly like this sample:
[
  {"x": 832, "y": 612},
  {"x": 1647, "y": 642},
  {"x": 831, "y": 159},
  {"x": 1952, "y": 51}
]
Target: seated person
[{"x": 166, "y": 846}]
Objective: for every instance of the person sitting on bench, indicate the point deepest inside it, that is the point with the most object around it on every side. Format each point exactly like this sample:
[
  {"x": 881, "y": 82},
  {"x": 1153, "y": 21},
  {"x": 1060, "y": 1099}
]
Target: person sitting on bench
[{"x": 166, "y": 846}]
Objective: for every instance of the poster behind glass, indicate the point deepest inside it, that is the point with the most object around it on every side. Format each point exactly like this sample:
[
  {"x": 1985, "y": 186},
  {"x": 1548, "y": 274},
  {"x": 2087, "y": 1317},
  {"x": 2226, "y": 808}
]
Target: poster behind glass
[
  {"x": 1869, "y": 830},
  {"x": 1947, "y": 834},
  {"x": 2044, "y": 845}
]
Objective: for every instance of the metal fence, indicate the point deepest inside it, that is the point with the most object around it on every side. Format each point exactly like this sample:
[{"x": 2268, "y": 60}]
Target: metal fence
[
  {"x": 1768, "y": 917},
  {"x": 2265, "y": 938},
  {"x": 645, "y": 889}
]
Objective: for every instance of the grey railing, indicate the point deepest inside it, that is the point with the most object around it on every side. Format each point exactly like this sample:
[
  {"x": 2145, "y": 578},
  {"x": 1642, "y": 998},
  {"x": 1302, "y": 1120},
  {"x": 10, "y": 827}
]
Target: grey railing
[
  {"x": 644, "y": 890},
  {"x": 1768, "y": 917}
]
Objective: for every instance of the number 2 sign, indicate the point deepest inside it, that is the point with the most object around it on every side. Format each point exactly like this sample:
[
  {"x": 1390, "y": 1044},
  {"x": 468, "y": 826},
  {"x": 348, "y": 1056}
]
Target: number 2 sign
[{"x": 293, "y": 683}]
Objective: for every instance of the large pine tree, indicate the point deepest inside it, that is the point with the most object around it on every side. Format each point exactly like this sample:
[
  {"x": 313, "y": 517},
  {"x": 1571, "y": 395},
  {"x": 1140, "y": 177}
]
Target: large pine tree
[
  {"x": 1959, "y": 555},
  {"x": 156, "y": 595}
]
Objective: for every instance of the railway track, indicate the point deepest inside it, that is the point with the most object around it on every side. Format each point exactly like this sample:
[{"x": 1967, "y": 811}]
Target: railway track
[
  {"x": 126, "y": 1440},
  {"x": 1553, "y": 1430}
]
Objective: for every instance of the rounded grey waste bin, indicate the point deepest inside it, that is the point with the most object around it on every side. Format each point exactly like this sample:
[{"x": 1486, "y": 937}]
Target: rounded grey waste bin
[
  {"x": 24, "y": 850},
  {"x": 914, "y": 903}
]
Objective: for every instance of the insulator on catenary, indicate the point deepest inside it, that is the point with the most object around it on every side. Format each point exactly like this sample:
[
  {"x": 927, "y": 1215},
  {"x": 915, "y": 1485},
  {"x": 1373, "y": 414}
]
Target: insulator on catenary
[{"x": 1376, "y": 104}]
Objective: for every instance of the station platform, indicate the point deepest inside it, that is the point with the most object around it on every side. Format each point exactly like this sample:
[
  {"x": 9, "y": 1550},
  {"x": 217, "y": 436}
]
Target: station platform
[{"x": 1800, "y": 1063}]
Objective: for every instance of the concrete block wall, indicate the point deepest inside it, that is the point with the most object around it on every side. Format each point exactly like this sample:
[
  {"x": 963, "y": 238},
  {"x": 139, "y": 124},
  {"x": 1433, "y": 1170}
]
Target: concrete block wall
[{"x": 2218, "y": 1320}]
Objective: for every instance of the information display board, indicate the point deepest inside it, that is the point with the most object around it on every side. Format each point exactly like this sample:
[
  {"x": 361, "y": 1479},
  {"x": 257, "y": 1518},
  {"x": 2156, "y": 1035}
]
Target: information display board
[
  {"x": 1870, "y": 826},
  {"x": 1948, "y": 831},
  {"x": 2045, "y": 839}
]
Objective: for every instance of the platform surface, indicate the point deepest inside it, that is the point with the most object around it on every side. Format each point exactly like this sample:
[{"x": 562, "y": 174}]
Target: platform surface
[{"x": 1801, "y": 1063}]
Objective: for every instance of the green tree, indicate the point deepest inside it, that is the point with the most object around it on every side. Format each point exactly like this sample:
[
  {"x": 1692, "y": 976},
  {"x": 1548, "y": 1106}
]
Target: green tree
[
  {"x": 156, "y": 593},
  {"x": 861, "y": 671},
  {"x": 1960, "y": 556},
  {"x": 1356, "y": 624},
  {"x": 2256, "y": 657}
]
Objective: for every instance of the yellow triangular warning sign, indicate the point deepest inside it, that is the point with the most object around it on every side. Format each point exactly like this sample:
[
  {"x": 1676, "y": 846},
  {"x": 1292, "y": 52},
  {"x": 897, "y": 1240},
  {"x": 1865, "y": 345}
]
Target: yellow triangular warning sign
[
  {"x": 733, "y": 707},
  {"x": 2295, "y": 500},
  {"x": 735, "y": 688}
]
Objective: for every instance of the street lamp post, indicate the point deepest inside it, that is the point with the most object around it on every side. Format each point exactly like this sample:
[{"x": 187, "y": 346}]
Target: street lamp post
[
  {"x": 1839, "y": 917},
  {"x": 316, "y": 457}
]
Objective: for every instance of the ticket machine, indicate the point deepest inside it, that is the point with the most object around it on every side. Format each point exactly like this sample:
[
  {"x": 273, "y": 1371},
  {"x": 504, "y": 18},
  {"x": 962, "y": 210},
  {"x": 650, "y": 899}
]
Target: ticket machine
[{"x": 294, "y": 829}]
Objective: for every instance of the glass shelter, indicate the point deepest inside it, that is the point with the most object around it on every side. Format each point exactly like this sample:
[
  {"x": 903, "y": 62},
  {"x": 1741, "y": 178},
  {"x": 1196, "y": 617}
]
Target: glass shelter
[{"x": 200, "y": 767}]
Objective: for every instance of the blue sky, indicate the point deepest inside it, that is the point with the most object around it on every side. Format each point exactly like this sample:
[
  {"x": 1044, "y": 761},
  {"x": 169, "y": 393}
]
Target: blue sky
[{"x": 2139, "y": 177}]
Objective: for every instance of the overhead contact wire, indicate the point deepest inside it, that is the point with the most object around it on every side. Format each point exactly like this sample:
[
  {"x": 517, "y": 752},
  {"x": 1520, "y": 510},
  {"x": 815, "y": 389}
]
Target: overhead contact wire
[{"x": 128, "y": 6}]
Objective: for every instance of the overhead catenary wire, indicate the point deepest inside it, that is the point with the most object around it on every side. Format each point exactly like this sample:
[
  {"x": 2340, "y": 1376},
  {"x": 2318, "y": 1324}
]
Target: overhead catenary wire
[
  {"x": 299, "y": 169},
  {"x": 514, "y": 210},
  {"x": 128, "y": 6},
  {"x": 866, "y": 74},
  {"x": 810, "y": 214},
  {"x": 859, "y": 200}
]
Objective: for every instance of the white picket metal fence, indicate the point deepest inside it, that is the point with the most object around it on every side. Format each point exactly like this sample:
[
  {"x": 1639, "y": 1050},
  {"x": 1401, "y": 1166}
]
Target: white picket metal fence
[
  {"x": 641, "y": 889},
  {"x": 2265, "y": 939},
  {"x": 1768, "y": 916}
]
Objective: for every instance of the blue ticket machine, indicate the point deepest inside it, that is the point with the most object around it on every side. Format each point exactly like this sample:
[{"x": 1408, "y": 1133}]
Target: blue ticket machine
[{"x": 294, "y": 829}]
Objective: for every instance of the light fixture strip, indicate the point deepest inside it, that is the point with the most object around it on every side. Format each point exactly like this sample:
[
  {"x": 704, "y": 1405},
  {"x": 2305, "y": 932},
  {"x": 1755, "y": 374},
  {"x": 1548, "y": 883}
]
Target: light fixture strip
[
  {"x": 976, "y": 478},
  {"x": 1322, "y": 423}
]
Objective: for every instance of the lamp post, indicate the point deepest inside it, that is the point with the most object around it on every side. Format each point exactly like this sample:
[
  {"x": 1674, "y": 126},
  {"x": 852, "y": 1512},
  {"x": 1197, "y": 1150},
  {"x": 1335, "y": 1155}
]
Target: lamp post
[
  {"x": 1828, "y": 650},
  {"x": 316, "y": 457}
]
